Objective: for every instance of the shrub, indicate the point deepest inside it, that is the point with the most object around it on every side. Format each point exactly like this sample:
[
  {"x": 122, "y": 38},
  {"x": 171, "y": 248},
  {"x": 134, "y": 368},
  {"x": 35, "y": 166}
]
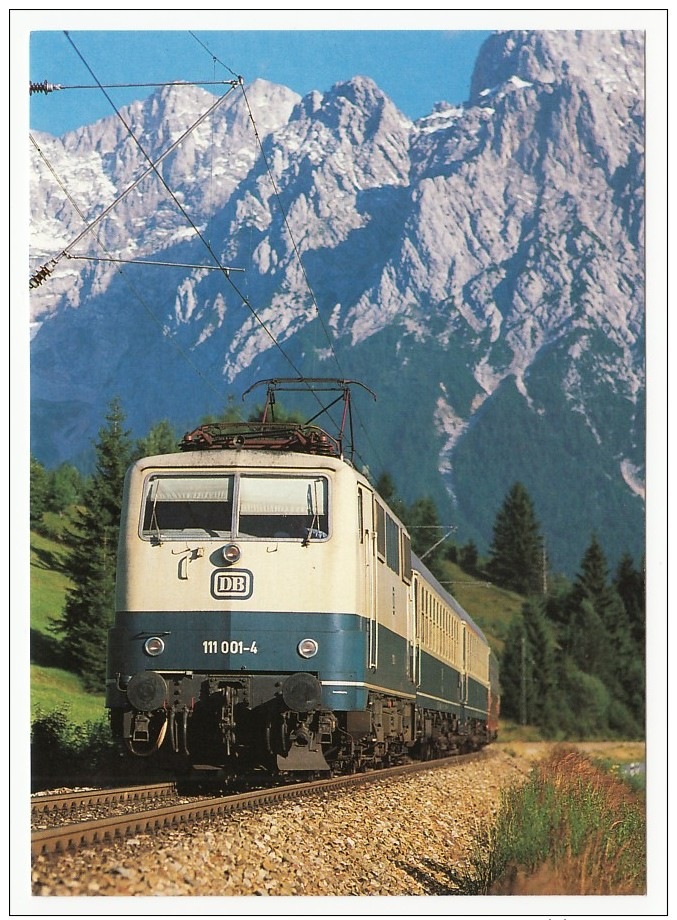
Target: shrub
[{"x": 63, "y": 753}]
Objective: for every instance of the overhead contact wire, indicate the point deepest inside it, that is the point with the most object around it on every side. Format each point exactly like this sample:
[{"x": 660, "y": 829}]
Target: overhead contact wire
[
  {"x": 46, "y": 87},
  {"x": 153, "y": 167},
  {"x": 126, "y": 280},
  {"x": 303, "y": 271},
  {"x": 258, "y": 139}
]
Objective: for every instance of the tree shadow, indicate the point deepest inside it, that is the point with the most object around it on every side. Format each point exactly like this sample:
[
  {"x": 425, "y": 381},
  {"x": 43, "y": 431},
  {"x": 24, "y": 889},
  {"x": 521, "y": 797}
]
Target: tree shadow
[
  {"x": 46, "y": 651},
  {"x": 48, "y": 559},
  {"x": 438, "y": 879}
]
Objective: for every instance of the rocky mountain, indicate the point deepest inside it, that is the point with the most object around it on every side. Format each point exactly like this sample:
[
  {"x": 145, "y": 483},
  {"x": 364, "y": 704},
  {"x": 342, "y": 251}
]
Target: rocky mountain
[{"x": 481, "y": 269}]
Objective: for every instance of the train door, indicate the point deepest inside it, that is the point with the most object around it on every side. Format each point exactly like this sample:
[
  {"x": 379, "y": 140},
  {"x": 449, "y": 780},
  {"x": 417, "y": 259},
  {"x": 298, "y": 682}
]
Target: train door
[
  {"x": 463, "y": 695},
  {"x": 368, "y": 561},
  {"x": 413, "y": 645}
]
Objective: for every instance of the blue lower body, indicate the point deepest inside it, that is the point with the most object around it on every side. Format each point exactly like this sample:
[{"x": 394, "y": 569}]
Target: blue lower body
[{"x": 254, "y": 642}]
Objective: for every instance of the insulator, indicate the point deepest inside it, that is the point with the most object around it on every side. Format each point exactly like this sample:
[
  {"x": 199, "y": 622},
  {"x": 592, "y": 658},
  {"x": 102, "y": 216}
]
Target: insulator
[
  {"x": 43, "y": 87},
  {"x": 40, "y": 275}
]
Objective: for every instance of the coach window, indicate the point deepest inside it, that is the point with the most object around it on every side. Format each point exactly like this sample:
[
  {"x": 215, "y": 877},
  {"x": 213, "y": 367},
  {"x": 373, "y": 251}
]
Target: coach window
[
  {"x": 392, "y": 544},
  {"x": 406, "y": 557},
  {"x": 380, "y": 531},
  {"x": 180, "y": 506},
  {"x": 283, "y": 507}
]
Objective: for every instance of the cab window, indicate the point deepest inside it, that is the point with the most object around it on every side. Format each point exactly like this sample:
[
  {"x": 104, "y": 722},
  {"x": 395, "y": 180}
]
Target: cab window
[
  {"x": 188, "y": 505},
  {"x": 283, "y": 507},
  {"x": 234, "y": 505}
]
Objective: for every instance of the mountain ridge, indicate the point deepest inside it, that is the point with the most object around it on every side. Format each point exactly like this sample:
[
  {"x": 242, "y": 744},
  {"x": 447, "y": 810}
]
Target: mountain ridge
[{"x": 488, "y": 255}]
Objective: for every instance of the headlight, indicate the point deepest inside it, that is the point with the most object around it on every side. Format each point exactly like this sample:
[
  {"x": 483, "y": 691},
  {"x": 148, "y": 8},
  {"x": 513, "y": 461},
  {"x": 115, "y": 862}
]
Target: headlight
[
  {"x": 231, "y": 553},
  {"x": 307, "y": 648},
  {"x": 154, "y": 646}
]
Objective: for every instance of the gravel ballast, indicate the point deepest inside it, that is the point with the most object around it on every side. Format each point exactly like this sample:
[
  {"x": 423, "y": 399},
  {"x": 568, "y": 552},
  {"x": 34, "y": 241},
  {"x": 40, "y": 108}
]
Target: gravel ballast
[{"x": 399, "y": 837}]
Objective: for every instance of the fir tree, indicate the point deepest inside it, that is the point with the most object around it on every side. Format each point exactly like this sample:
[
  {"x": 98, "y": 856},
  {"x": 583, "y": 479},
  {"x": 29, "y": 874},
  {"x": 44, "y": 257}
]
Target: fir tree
[
  {"x": 39, "y": 492},
  {"x": 631, "y": 587},
  {"x": 591, "y": 580},
  {"x": 385, "y": 487},
  {"x": 601, "y": 641},
  {"x": 161, "y": 439},
  {"x": 514, "y": 703},
  {"x": 516, "y": 554},
  {"x": 66, "y": 487},
  {"x": 528, "y": 668},
  {"x": 90, "y": 605},
  {"x": 541, "y": 643},
  {"x": 423, "y": 522},
  {"x": 469, "y": 557}
]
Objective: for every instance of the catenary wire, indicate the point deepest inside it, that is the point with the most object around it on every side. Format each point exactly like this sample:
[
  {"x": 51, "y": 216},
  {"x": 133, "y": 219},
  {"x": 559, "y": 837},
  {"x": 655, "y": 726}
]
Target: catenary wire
[
  {"x": 293, "y": 242},
  {"x": 181, "y": 351},
  {"x": 153, "y": 167},
  {"x": 47, "y": 87}
]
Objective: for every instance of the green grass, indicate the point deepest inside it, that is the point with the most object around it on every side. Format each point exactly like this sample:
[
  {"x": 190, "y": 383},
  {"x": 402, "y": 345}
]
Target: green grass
[
  {"x": 52, "y": 687},
  {"x": 513, "y": 732},
  {"x": 48, "y": 584}
]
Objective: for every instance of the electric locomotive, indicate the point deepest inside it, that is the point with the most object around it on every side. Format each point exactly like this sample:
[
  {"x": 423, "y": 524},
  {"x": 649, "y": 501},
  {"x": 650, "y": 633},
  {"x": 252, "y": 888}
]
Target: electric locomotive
[{"x": 270, "y": 613}]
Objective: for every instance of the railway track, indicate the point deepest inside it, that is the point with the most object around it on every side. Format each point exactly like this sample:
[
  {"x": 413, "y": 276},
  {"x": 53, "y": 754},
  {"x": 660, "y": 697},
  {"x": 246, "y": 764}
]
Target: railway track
[
  {"x": 103, "y": 831},
  {"x": 68, "y": 802}
]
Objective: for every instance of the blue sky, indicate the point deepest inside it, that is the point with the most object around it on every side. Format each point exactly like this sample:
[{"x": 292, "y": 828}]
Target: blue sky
[{"x": 414, "y": 68}]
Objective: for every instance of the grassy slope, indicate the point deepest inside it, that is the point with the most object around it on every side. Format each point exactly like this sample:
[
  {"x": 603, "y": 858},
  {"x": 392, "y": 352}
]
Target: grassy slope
[
  {"x": 53, "y": 687},
  {"x": 490, "y": 607}
]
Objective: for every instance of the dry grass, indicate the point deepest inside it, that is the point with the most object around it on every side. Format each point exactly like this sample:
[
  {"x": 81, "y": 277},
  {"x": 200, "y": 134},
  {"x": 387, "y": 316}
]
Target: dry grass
[
  {"x": 572, "y": 829},
  {"x": 620, "y": 752}
]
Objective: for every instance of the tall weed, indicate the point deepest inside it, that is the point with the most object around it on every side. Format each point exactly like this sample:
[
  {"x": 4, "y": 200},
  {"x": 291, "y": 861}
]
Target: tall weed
[{"x": 571, "y": 829}]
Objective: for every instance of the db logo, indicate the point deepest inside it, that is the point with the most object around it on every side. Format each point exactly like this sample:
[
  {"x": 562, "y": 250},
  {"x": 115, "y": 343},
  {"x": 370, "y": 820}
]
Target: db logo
[{"x": 232, "y": 584}]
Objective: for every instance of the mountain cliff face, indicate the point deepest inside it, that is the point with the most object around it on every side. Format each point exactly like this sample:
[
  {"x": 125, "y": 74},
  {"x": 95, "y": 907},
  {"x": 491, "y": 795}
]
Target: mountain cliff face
[{"x": 480, "y": 269}]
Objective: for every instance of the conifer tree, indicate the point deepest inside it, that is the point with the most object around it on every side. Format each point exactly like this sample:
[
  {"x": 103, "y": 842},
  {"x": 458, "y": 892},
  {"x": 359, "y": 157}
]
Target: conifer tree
[
  {"x": 92, "y": 559},
  {"x": 601, "y": 640},
  {"x": 385, "y": 487},
  {"x": 161, "y": 439},
  {"x": 528, "y": 669},
  {"x": 591, "y": 580},
  {"x": 39, "y": 492},
  {"x": 66, "y": 487},
  {"x": 423, "y": 521},
  {"x": 514, "y": 679},
  {"x": 630, "y": 585},
  {"x": 516, "y": 556},
  {"x": 541, "y": 643}
]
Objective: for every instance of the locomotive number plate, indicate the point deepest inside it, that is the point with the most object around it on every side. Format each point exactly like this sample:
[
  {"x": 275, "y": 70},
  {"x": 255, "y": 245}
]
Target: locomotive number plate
[{"x": 229, "y": 647}]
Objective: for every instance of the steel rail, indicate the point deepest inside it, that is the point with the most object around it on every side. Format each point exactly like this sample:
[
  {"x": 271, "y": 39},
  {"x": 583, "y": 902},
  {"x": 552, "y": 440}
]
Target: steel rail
[
  {"x": 70, "y": 801},
  {"x": 107, "y": 830}
]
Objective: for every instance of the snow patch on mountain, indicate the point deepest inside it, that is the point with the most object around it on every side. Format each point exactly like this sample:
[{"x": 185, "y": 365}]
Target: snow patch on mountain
[
  {"x": 452, "y": 426},
  {"x": 631, "y": 475}
]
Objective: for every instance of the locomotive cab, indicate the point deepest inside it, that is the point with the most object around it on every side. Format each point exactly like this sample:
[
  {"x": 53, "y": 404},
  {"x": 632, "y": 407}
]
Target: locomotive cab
[{"x": 219, "y": 636}]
